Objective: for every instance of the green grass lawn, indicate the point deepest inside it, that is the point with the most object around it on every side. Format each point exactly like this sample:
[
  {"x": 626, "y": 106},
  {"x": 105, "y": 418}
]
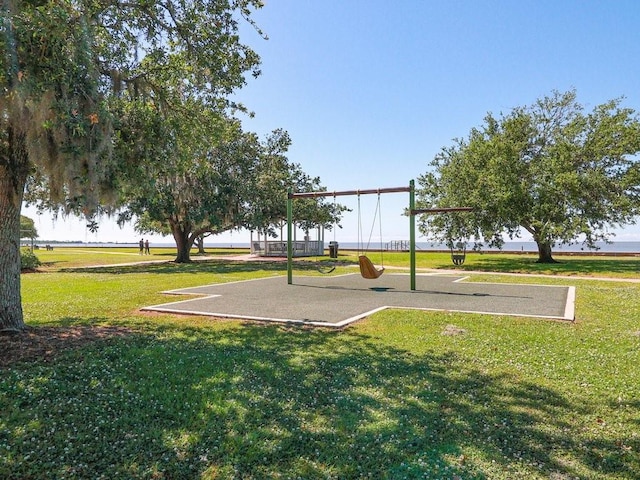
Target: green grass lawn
[{"x": 402, "y": 394}]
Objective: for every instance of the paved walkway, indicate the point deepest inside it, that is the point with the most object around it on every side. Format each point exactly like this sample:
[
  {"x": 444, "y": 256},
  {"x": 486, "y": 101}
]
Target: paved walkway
[{"x": 335, "y": 301}]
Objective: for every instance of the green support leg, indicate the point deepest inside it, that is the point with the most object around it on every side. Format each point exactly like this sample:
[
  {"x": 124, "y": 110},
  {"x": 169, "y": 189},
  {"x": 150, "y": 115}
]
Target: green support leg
[
  {"x": 289, "y": 235},
  {"x": 412, "y": 234}
]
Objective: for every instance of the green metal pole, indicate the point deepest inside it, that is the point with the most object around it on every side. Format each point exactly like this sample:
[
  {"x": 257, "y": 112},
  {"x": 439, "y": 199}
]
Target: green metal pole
[
  {"x": 412, "y": 234},
  {"x": 289, "y": 235}
]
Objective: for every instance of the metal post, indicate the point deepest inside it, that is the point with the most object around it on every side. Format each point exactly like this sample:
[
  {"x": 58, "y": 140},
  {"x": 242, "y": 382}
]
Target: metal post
[
  {"x": 412, "y": 234},
  {"x": 289, "y": 245}
]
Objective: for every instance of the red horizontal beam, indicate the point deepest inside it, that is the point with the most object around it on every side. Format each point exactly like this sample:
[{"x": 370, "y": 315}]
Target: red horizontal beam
[
  {"x": 420, "y": 211},
  {"x": 349, "y": 192}
]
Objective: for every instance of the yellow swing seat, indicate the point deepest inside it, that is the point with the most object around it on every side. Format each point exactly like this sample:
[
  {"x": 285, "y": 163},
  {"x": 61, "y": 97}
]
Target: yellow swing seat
[{"x": 367, "y": 269}]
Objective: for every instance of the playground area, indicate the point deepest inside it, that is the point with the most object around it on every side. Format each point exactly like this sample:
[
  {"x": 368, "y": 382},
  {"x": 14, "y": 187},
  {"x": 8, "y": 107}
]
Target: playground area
[{"x": 336, "y": 301}]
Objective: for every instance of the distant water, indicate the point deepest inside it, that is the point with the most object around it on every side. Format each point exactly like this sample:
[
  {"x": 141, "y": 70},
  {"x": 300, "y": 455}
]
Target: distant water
[{"x": 615, "y": 247}]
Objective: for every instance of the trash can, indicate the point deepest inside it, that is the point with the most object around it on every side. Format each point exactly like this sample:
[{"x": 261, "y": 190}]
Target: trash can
[{"x": 333, "y": 249}]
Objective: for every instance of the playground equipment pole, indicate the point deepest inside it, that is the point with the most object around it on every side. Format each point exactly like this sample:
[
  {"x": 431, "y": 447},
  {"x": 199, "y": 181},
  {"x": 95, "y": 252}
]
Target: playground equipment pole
[
  {"x": 289, "y": 235},
  {"x": 412, "y": 227},
  {"x": 369, "y": 191},
  {"x": 412, "y": 234}
]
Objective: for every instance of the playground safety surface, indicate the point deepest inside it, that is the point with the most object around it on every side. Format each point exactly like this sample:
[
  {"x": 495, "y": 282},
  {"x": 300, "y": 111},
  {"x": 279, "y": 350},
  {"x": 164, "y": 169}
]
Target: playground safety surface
[{"x": 335, "y": 301}]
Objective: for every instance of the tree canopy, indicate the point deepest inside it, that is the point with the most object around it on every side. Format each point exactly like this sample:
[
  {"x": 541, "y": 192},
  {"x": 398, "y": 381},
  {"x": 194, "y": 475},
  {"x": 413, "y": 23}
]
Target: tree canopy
[
  {"x": 27, "y": 228},
  {"x": 65, "y": 69},
  {"x": 212, "y": 177},
  {"x": 268, "y": 211},
  {"x": 193, "y": 174},
  {"x": 550, "y": 169}
]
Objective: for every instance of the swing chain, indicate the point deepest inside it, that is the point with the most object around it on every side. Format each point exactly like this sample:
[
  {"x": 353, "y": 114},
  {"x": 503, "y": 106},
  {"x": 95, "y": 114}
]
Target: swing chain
[{"x": 378, "y": 212}]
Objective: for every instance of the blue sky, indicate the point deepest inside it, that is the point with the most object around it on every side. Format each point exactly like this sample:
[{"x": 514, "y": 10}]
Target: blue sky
[{"x": 370, "y": 91}]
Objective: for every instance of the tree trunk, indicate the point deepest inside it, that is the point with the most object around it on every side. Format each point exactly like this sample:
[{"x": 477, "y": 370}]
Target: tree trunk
[
  {"x": 544, "y": 253},
  {"x": 182, "y": 243},
  {"x": 13, "y": 168},
  {"x": 200, "y": 244}
]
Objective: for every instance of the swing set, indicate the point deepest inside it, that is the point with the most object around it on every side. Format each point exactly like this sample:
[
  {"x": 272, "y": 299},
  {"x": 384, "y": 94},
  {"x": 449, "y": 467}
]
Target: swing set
[{"x": 367, "y": 269}]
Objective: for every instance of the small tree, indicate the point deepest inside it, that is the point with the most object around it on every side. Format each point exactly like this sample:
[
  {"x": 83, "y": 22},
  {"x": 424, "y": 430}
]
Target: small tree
[
  {"x": 27, "y": 228},
  {"x": 559, "y": 174},
  {"x": 275, "y": 176}
]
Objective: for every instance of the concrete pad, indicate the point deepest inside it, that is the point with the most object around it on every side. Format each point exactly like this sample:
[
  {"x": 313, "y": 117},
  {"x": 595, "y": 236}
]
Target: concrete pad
[{"x": 335, "y": 301}]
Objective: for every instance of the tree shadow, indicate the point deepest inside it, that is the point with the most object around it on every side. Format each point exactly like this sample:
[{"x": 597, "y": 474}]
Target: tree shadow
[
  {"x": 204, "y": 266},
  {"x": 262, "y": 402},
  {"x": 44, "y": 343},
  {"x": 567, "y": 266},
  {"x": 216, "y": 266}
]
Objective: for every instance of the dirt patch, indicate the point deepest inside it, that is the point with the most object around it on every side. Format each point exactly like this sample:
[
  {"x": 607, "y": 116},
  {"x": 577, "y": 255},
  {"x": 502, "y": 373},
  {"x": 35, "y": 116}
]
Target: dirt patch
[
  {"x": 44, "y": 343},
  {"x": 452, "y": 330}
]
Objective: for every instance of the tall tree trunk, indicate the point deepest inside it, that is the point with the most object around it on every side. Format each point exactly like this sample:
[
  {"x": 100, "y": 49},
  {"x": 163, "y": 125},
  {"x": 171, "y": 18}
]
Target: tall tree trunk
[
  {"x": 183, "y": 243},
  {"x": 544, "y": 252},
  {"x": 10, "y": 300},
  {"x": 13, "y": 176}
]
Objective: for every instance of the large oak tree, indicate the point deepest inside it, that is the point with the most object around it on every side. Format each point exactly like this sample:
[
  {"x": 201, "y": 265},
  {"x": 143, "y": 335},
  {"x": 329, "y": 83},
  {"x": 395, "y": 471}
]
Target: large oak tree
[
  {"x": 213, "y": 178},
  {"x": 62, "y": 65},
  {"x": 202, "y": 168},
  {"x": 550, "y": 169}
]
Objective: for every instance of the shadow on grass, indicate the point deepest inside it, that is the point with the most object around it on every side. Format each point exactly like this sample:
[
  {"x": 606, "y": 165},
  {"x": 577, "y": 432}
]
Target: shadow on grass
[
  {"x": 44, "y": 343},
  {"x": 259, "y": 402},
  {"x": 171, "y": 254},
  {"x": 567, "y": 265},
  {"x": 205, "y": 266},
  {"x": 216, "y": 266}
]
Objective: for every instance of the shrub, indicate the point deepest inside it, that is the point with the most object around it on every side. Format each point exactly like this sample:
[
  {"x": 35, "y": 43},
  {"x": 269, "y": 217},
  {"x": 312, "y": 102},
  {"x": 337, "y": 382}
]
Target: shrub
[{"x": 28, "y": 260}]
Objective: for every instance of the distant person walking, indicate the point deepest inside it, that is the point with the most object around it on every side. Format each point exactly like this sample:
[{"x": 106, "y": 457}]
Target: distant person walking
[
  {"x": 146, "y": 247},
  {"x": 141, "y": 243}
]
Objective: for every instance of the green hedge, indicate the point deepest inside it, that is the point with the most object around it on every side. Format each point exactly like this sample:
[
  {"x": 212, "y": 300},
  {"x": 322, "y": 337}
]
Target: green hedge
[{"x": 28, "y": 260}]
